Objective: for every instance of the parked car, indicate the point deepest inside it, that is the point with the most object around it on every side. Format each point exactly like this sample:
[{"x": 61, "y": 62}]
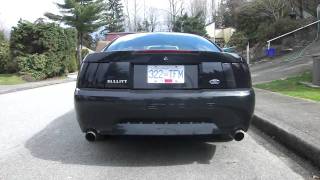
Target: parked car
[{"x": 164, "y": 84}]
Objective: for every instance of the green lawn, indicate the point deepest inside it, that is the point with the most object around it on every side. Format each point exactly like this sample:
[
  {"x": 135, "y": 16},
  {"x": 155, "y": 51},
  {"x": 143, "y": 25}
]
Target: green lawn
[
  {"x": 292, "y": 87},
  {"x": 10, "y": 79}
]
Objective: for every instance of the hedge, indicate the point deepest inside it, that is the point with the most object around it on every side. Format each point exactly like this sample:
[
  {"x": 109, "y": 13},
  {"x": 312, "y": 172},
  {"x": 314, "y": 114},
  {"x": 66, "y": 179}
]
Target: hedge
[{"x": 43, "y": 50}]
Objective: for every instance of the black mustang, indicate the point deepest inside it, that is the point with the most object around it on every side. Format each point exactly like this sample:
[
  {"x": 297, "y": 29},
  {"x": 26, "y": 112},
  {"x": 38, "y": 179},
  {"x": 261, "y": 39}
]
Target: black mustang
[{"x": 164, "y": 84}]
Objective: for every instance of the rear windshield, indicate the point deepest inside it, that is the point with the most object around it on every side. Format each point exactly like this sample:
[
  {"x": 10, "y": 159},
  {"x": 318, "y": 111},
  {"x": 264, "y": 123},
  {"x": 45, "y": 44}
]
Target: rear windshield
[{"x": 162, "y": 41}]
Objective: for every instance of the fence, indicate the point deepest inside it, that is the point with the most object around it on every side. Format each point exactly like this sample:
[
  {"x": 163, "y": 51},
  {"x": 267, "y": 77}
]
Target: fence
[
  {"x": 294, "y": 31},
  {"x": 294, "y": 44}
]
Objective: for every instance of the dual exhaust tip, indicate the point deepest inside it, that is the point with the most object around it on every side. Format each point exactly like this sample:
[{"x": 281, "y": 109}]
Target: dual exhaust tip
[
  {"x": 238, "y": 135},
  {"x": 91, "y": 136}
]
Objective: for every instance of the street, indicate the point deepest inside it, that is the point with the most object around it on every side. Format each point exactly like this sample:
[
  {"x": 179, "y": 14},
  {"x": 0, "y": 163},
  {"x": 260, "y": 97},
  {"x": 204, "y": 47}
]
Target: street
[{"x": 40, "y": 139}]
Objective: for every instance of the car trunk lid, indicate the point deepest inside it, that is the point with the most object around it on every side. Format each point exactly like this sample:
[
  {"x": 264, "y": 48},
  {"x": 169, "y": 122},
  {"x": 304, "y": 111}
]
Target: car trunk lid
[{"x": 151, "y": 70}]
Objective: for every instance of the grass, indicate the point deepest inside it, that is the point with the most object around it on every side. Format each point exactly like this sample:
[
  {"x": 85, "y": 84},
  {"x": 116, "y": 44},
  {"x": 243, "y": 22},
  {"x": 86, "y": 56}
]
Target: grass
[
  {"x": 292, "y": 87},
  {"x": 10, "y": 79}
]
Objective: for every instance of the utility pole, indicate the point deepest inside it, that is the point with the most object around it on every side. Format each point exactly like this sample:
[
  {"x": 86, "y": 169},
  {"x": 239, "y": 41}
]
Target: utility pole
[
  {"x": 248, "y": 53},
  {"x": 318, "y": 18},
  {"x": 214, "y": 32}
]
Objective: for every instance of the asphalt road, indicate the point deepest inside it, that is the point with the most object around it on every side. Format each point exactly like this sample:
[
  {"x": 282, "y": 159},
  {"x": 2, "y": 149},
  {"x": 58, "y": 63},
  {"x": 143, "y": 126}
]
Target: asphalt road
[
  {"x": 281, "y": 67},
  {"x": 40, "y": 139},
  {"x": 278, "y": 69}
]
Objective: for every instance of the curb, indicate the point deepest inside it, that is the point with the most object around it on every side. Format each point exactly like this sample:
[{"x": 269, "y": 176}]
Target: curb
[
  {"x": 303, "y": 147},
  {"x": 36, "y": 86}
]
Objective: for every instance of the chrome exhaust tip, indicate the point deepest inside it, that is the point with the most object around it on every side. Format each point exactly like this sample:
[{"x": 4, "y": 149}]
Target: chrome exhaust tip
[
  {"x": 91, "y": 136},
  {"x": 238, "y": 135}
]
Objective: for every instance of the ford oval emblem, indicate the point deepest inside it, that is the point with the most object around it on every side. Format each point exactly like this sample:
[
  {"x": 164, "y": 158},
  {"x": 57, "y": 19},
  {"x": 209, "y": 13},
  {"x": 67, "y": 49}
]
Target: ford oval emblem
[
  {"x": 214, "y": 81},
  {"x": 165, "y": 58}
]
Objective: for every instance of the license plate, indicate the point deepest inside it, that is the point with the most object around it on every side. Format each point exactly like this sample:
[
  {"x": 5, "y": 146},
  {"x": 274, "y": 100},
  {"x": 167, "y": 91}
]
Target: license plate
[{"x": 165, "y": 74}]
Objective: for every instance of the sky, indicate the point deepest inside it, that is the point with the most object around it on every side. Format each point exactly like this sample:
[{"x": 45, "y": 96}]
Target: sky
[{"x": 13, "y": 10}]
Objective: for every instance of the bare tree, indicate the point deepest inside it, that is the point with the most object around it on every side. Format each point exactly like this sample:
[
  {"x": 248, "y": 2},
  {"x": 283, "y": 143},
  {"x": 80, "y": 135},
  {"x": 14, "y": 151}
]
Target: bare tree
[
  {"x": 212, "y": 11},
  {"x": 153, "y": 19},
  {"x": 273, "y": 8},
  {"x": 127, "y": 15},
  {"x": 197, "y": 7},
  {"x": 132, "y": 13},
  {"x": 136, "y": 20},
  {"x": 175, "y": 7},
  {"x": 144, "y": 10}
]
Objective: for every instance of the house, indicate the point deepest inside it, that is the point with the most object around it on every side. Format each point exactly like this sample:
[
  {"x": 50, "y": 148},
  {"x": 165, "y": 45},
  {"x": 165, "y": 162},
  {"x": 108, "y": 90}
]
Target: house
[
  {"x": 219, "y": 35},
  {"x": 108, "y": 37}
]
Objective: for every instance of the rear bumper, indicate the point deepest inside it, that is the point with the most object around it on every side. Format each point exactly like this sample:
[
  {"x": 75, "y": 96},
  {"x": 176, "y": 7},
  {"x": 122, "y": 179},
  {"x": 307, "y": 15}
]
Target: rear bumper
[{"x": 164, "y": 112}]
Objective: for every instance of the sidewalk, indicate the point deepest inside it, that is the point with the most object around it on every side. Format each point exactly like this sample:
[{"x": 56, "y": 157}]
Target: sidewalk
[
  {"x": 31, "y": 85},
  {"x": 292, "y": 121}
]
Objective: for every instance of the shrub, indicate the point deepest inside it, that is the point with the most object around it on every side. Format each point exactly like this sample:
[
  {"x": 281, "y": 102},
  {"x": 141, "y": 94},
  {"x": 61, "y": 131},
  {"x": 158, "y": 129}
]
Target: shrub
[
  {"x": 239, "y": 40},
  {"x": 84, "y": 53},
  {"x": 34, "y": 65},
  {"x": 2, "y": 37},
  {"x": 73, "y": 65},
  {"x": 267, "y": 31},
  {"x": 4, "y": 56},
  {"x": 42, "y": 42}
]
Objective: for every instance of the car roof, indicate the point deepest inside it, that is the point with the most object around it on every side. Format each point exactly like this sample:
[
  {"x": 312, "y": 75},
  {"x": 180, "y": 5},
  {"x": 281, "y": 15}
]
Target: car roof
[{"x": 165, "y": 34}]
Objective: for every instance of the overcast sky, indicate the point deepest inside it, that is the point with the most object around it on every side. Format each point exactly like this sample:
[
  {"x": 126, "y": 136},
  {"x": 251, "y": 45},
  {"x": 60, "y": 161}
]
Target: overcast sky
[{"x": 12, "y": 10}]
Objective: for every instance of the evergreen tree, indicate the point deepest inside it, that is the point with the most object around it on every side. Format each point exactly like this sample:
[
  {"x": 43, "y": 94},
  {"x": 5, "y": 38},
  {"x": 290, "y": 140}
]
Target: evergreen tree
[
  {"x": 2, "y": 37},
  {"x": 84, "y": 15},
  {"x": 144, "y": 26},
  {"x": 114, "y": 16},
  {"x": 190, "y": 24}
]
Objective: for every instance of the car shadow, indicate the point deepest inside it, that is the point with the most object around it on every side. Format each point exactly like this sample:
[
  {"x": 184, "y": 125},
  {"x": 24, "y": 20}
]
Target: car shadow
[{"x": 62, "y": 141}]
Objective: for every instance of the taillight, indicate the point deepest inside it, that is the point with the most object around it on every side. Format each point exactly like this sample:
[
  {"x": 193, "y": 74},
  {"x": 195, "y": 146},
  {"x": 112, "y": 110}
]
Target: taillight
[
  {"x": 104, "y": 75},
  {"x": 237, "y": 75}
]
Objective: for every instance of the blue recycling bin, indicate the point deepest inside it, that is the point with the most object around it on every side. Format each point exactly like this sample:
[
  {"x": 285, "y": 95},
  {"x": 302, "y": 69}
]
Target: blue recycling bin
[{"x": 271, "y": 52}]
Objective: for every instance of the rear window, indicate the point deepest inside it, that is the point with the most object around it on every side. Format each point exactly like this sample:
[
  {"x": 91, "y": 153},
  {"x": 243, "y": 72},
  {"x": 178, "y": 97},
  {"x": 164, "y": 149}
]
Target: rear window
[{"x": 162, "y": 41}]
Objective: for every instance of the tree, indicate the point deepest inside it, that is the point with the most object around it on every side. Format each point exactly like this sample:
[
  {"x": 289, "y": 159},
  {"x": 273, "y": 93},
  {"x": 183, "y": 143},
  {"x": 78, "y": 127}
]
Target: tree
[
  {"x": 248, "y": 19},
  {"x": 88, "y": 41},
  {"x": 136, "y": 22},
  {"x": 114, "y": 16},
  {"x": 127, "y": 16},
  {"x": 146, "y": 26},
  {"x": 275, "y": 9},
  {"x": 84, "y": 15},
  {"x": 43, "y": 49},
  {"x": 140, "y": 27},
  {"x": 4, "y": 53},
  {"x": 153, "y": 20},
  {"x": 228, "y": 11},
  {"x": 261, "y": 20},
  {"x": 239, "y": 40},
  {"x": 2, "y": 36},
  {"x": 194, "y": 24},
  {"x": 175, "y": 7},
  {"x": 199, "y": 6},
  {"x": 149, "y": 24},
  {"x": 301, "y": 8},
  {"x": 212, "y": 11}
]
